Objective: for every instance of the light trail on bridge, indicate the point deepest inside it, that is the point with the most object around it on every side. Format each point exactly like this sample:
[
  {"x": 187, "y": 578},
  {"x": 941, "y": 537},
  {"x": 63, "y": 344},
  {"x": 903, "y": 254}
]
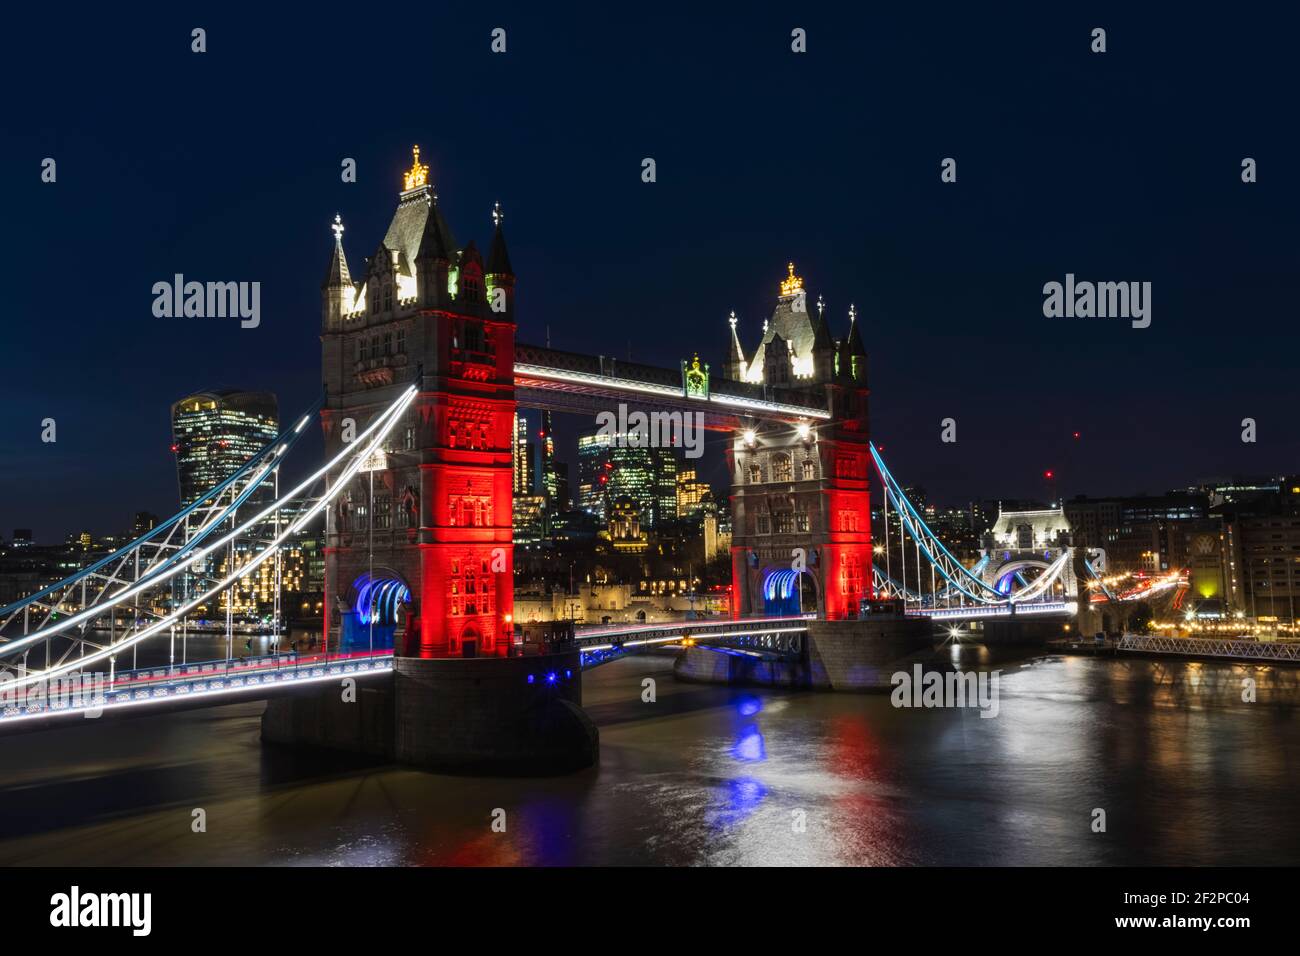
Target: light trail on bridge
[{"x": 381, "y": 427}]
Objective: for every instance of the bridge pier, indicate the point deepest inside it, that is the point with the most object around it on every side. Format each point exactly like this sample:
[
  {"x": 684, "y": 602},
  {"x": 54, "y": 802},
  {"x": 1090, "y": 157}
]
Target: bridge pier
[
  {"x": 518, "y": 715},
  {"x": 844, "y": 655}
]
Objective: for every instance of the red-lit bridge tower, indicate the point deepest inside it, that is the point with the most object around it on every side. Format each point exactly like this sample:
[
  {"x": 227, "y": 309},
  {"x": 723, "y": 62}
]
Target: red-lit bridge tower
[{"x": 427, "y": 524}]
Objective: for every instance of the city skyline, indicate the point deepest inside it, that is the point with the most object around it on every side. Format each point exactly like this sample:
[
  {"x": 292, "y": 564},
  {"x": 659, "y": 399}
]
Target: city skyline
[{"x": 946, "y": 278}]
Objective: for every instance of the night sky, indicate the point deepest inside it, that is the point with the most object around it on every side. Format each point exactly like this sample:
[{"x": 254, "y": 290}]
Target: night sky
[{"x": 1123, "y": 166}]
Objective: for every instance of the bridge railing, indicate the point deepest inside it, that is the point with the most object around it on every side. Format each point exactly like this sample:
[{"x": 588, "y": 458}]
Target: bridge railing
[{"x": 91, "y": 691}]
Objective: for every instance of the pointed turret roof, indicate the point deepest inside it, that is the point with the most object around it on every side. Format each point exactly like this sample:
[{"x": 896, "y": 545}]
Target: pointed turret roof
[
  {"x": 737, "y": 357},
  {"x": 498, "y": 258},
  {"x": 822, "y": 340},
  {"x": 435, "y": 240},
  {"x": 337, "y": 275},
  {"x": 854, "y": 339}
]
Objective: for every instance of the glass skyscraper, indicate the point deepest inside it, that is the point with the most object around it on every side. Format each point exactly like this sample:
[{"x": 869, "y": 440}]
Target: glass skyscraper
[
  {"x": 215, "y": 432},
  {"x": 608, "y": 470}
]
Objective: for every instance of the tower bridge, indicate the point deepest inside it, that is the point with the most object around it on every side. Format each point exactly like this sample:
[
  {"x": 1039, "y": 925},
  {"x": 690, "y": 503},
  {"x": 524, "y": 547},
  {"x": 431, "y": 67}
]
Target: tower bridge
[{"x": 422, "y": 376}]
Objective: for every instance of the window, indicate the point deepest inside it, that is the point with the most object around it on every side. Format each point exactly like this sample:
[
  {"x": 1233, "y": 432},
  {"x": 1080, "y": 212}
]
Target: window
[
  {"x": 383, "y": 512},
  {"x": 809, "y": 469},
  {"x": 764, "y": 524},
  {"x": 388, "y": 343},
  {"x": 401, "y": 341},
  {"x": 781, "y": 468},
  {"x": 473, "y": 336},
  {"x": 363, "y": 349},
  {"x": 388, "y": 297},
  {"x": 755, "y": 474},
  {"x": 408, "y": 438}
]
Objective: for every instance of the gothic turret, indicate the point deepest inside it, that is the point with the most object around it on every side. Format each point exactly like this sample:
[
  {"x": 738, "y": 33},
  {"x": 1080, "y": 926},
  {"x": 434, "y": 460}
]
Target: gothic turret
[
  {"x": 432, "y": 262},
  {"x": 735, "y": 366},
  {"x": 500, "y": 275},
  {"x": 336, "y": 292},
  {"x": 857, "y": 364},
  {"x": 823, "y": 347}
]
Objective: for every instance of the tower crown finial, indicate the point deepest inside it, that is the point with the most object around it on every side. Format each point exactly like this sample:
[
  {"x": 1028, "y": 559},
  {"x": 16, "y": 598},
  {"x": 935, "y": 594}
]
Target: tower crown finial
[
  {"x": 792, "y": 283},
  {"x": 498, "y": 216},
  {"x": 820, "y": 306},
  {"x": 731, "y": 320},
  {"x": 418, "y": 174},
  {"x": 853, "y": 313},
  {"x": 338, "y": 228}
]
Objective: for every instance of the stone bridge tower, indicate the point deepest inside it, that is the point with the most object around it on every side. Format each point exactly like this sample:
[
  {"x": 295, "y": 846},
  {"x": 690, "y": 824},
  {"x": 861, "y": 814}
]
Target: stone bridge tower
[
  {"x": 428, "y": 523},
  {"x": 800, "y": 497}
]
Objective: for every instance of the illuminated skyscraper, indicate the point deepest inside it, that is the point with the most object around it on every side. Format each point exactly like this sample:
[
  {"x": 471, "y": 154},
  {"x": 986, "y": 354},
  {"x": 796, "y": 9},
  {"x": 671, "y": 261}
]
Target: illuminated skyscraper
[
  {"x": 609, "y": 469},
  {"x": 215, "y": 432},
  {"x": 664, "y": 462},
  {"x": 523, "y": 453},
  {"x": 691, "y": 493}
]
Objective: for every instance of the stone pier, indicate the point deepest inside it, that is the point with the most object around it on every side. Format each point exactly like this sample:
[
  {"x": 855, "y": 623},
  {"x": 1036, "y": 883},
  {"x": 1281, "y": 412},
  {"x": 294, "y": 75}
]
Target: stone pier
[{"x": 519, "y": 715}]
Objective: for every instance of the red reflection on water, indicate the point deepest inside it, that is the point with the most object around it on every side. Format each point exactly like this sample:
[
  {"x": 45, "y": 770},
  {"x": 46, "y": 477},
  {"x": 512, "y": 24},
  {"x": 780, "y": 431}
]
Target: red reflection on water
[{"x": 854, "y": 750}]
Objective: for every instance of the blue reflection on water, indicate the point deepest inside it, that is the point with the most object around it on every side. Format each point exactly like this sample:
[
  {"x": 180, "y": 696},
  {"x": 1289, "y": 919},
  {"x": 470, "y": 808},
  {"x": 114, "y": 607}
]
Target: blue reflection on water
[
  {"x": 749, "y": 705},
  {"x": 742, "y": 798},
  {"x": 750, "y": 747}
]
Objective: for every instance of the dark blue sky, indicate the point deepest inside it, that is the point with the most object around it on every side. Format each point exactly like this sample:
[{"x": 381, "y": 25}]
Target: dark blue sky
[{"x": 225, "y": 166}]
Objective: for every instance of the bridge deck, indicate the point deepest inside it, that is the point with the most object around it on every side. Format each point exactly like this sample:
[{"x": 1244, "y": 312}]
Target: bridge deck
[{"x": 209, "y": 683}]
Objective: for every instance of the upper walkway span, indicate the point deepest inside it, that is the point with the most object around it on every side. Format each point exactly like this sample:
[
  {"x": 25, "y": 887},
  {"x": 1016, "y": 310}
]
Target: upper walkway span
[{"x": 585, "y": 384}]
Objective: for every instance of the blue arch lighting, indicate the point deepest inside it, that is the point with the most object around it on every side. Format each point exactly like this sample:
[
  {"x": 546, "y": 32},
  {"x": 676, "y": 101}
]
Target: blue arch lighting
[{"x": 378, "y": 598}]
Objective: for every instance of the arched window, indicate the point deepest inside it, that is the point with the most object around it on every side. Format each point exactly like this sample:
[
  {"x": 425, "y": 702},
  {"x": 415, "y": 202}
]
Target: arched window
[
  {"x": 755, "y": 474},
  {"x": 809, "y": 469}
]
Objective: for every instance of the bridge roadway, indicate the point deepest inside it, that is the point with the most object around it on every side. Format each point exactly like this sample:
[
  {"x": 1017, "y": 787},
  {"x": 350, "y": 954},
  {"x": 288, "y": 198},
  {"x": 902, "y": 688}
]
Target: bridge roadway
[
  {"x": 181, "y": 686},
  {"x": 759, "y": 637},
  {"x": 214, "y": 683}
]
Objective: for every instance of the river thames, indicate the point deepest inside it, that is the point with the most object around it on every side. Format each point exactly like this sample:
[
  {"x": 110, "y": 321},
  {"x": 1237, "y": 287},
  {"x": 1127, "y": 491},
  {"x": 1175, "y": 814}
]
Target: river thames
[{"x": 1186, "y": 772}]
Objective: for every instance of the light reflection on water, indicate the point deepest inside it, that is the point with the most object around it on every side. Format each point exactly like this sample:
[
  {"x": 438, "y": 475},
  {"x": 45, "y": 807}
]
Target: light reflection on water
[{"x": 1187, "y": 772}]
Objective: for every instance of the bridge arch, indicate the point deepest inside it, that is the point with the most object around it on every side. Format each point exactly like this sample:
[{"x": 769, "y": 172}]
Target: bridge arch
[
  {"x": 787, "y": 591},
  {"x": 1003, "y": 575},
  {"x": 381, "y": 603}
]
